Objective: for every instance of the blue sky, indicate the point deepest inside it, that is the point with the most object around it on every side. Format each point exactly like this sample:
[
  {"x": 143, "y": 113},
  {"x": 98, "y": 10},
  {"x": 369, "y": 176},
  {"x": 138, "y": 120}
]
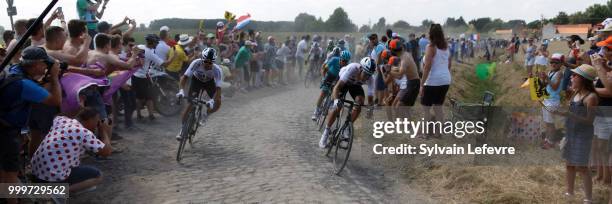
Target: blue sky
[{"x": 360, "y": 11}]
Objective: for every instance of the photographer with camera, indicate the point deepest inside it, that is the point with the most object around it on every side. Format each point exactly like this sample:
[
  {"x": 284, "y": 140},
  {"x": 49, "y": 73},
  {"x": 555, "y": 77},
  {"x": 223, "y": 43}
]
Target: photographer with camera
[{"x": 19, "y": 89}]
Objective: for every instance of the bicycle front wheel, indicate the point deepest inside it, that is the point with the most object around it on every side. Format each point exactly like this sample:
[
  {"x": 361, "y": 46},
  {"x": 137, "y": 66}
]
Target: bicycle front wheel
[
  {"x": 343, "y": 147},
  {"x": 323, "y": 114}
]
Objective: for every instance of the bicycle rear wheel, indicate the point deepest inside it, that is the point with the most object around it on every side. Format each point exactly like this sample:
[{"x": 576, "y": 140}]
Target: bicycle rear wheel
[
  {"x": 185, "y": 132},
  {"x": 341, "y": 154}
]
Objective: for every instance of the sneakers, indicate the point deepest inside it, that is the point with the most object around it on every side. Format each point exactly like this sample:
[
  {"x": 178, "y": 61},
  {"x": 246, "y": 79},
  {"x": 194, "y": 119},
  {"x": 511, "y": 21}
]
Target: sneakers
[
  {"x": 323, "y": 141},
  {"x": 315, "y": 114}
]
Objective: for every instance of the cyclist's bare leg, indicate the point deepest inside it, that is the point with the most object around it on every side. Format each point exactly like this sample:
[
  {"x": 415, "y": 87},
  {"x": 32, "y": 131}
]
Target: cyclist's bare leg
[
  {"x": 184, "y": 113},
  {"x": 332, "y": 116},
  {"x": 320, "y": 99},
  {"x": 357, "y": 109}
]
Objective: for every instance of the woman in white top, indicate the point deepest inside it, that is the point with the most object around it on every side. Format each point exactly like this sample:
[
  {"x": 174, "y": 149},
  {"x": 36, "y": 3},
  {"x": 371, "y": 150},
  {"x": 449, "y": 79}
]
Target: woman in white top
[{"x": 436, "y": 73}]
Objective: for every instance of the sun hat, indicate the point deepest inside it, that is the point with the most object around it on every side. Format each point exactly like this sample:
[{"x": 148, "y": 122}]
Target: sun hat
[
  {"x": 220, "y": 24},
  {"x": 586, "y": 71},
  {"x": 185, "y": 39}
]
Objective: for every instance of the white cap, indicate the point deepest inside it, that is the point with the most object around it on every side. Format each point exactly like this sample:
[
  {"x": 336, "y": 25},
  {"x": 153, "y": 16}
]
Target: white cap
[
  {"x": 220, "y": 24},
  {"x": 166, "y": 28},
  {"x": 394, "y": 35},
  {"x": 248, "y": 42},
  {"x": 141, "y": 47}
]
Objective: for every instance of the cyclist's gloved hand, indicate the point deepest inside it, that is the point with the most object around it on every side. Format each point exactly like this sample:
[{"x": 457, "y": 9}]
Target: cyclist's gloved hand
[
  {"x": 336, "y": 104},
  {"x": 180, "y": 94},
  {"x": 210, "y": 103}
]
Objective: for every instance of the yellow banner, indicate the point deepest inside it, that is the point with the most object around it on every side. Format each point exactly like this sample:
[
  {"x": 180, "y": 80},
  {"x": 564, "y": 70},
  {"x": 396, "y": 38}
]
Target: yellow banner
[{"x": 537, "y": 89}]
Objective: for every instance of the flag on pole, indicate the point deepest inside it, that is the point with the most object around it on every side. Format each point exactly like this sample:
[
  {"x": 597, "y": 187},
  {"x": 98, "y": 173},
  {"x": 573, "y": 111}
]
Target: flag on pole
[
  {"x": 229, "y": 17},
  {"x": 242, "y": 22},
  {"x": 201, "y": 27}
]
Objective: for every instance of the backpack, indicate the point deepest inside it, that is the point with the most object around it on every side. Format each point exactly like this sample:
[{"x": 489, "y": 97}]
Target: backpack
[{"x": 6, "y": 80}]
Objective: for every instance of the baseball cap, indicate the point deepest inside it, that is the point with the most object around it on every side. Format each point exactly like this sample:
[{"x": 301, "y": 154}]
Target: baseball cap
[
  {"x": 395, "y": 45},
  {"x": 557, "y": 57},
  {"x": 164, "y": 28},
  {"x": 248, "y": 42},
  {"x": 210, "y": 35},
  {"x": 36, "y": 53}
]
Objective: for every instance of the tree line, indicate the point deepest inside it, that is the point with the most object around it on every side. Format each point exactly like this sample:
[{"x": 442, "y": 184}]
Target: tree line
[{"x": 339, "y": 21}]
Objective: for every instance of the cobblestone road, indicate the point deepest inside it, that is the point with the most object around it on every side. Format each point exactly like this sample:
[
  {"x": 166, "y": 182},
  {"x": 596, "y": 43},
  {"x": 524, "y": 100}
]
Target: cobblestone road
[{"x": 259, "y": 148}]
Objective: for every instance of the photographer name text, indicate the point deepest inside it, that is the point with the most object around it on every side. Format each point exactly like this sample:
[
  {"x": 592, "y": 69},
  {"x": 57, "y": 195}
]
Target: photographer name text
[{"x": 424, "y": 149}]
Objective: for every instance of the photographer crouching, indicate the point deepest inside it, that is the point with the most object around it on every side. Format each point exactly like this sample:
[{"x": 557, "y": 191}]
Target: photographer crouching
[{"x": 18, "y": 91}]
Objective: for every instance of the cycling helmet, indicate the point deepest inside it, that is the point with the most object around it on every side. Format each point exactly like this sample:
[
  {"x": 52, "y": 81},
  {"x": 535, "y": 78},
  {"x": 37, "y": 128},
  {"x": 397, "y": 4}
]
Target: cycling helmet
[
  {"x": 368, "y": 65},
  {"x": 330, "y": 43},
  {"x": 336, "y": 51},
  {"x": 345, "y": 55},
  {"x": 209, "y": 54},
  {"x": 316, "y": 38},
  {"x": 341, "y": 42}
]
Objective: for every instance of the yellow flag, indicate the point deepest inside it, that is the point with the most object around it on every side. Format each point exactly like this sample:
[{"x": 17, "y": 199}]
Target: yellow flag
[
  {"x": 201, "y": 28},
  {"x": 229, "y": 16},
  {"x": 537, "y": 90}
]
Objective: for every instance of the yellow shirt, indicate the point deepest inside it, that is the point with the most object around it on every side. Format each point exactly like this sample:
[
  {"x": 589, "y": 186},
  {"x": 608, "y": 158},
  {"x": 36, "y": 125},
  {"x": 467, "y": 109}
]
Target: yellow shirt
[{"x": 177, "y": 63}]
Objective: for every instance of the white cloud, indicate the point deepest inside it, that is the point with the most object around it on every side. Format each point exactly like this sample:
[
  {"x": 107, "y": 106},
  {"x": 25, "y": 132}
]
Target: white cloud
[{"x": 360, "y": 11}]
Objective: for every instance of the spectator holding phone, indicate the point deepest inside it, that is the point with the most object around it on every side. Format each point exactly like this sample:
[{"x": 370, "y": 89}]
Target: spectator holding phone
[
  {"x": 57, "y": 159},
  {"x": 18, "y": 91}
]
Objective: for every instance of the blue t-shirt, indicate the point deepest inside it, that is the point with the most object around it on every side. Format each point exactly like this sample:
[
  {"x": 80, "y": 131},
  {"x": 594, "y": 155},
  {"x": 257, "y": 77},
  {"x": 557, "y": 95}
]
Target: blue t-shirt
[
  {"x": 333, "y": 66},
  {"x": 17, "y": 97},
  {"x": 377, "y": 50},
  {"x": 423, "y": 42}
]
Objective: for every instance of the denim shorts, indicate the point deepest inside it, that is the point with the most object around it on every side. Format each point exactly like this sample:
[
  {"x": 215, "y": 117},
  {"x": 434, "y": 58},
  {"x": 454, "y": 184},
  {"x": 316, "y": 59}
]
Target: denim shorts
[{"x": 78, "y": 174}]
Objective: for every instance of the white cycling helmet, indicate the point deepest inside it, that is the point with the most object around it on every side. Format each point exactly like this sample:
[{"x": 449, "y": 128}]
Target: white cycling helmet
[
  {"x": 209, "y": 54},
  {"x": 367, "y": 65}
]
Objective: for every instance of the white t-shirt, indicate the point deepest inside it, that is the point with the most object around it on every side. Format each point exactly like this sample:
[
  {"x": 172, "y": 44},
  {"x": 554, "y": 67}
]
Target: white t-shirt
[
  {"x": 350, "y": 73},
  {"x": 152, "y": 63},
  {"x": 162, "y": 50},
  {"x": 283, "y": 53},
  {"x": 197, "y": 70},
  {"x": 301, "y": 47}
]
